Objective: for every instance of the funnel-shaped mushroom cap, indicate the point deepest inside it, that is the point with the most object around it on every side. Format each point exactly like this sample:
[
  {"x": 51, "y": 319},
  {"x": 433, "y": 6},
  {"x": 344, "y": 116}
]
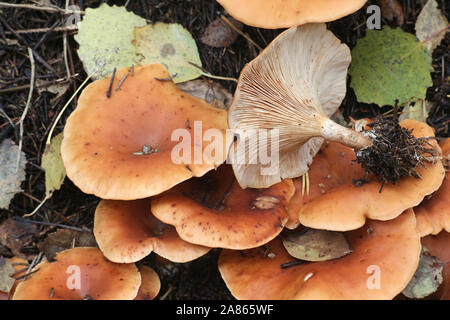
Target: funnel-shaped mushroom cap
[
  {"x": 214, "y": 211},
  {"x": 121, "y": 147},
  {"x": 151, "y": 284},
  {"x": 336, "y": 203},
  {"x": 293, "y": 86},
  {"x": 80, "y": 274},
  {"x": 273, "y": 14},
  {"x": 439, "y": 246},
  {"x": 384, "y": 258},
  {"x": 433, "y": 214},
  {"x": 126, "y": 231}
]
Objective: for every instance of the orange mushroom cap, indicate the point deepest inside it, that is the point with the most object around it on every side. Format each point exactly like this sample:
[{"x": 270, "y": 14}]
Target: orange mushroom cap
[
  {"x": 105, "y": 138},
  {"x": 384, "y": 258},
  {"x": 273, "y": 14},
  {"x": 126, "y": 231},
  {"x": 439, "y": 246},
  {"x": 433, "y": 213},
  {"x": 151, "y": 284},
  {"x": 78, "y": 274},
  {"x": 335, "y": 203},
  {"x": 231, "y": 217}
]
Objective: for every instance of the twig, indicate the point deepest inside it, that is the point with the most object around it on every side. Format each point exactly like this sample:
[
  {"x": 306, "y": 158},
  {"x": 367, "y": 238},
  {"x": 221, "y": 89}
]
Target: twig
[
  {"x": 41, "y": 30},
  {"x": 232, "y": 26},
  {"x": 66, "y": 61},
  {"x": 50, "y": 224},
  {"x": 43, "y": 8},
  {"x": 27, "y": 106},
  {"x": 207, "y": 74}
]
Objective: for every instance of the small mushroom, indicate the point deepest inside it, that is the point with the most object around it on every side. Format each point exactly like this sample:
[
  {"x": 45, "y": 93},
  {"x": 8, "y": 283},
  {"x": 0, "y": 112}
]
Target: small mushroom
[
  {"x": 439, "y": 246},
  {"x": 380, "y": 267},
  {"x": 433, "y": 213},
  {"x": 341, "y": 203},
  {"x": 151, "y": 284},
  {"x": 121, "y": 147},
  {"x": 293, "y": 86},
  {"x": 214, "y": 211},
  {"x": 126, "y": 231},
  {"x": 273, "y": 14},
  {"x": 80, "y": 273}
]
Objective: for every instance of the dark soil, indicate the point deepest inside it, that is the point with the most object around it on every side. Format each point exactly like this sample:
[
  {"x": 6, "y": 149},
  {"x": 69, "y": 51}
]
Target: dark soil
[{"x": 199, "y": 279}]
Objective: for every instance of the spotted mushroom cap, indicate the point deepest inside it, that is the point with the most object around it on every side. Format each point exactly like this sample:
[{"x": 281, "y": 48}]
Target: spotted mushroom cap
[
  {"x": 384, "y": 258},
  {"x": 289, "y": 91},
  {"x": 126, "y": 231},
  {"x": 273, "y": 14},
  {"x": 131, "y": 145},
  {"x": 81, "y": 273},
  {"x": 433, "y": 213},
  {"x": 215, "y": 211},
  {"x": 336, "y": 203}
]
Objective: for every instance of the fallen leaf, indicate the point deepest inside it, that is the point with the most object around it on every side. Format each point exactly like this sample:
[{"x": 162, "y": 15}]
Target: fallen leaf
[
  {"x": 11, "y": 175},
  {"x": 316, "y": 245},
  {"x": 429, "y": 21},
  {"x": 59, "y": 89},
  {"x": 172, "y": 46},
  {"x": 419, "y": 111},
  {"x": 219, "y": 34},
  {"x": 64, "y": 239},
  {"x": 6, "y": 270},
  {"x": 53, "y": 165},
  {"x": 15, "y": 234},
  {"x": 105, "y": 37},
  {"x": 211, "y": 92},
  {"x": 390, "y": 64},
  {"x": 392, "y": 11},
  {"x": 427, "y": 278}
]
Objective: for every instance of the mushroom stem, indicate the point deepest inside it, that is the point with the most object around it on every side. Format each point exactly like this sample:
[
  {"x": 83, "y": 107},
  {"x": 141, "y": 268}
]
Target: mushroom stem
[{"x": 332, "y": 131}]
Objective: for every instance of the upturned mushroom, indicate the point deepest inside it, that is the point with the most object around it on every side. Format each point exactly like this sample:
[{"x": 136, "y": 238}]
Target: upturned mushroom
[
  {"x": 127, "y": 146},
  {"x": 80, "y": 273},
  {"x": 214, "y": 211},
  {"x": 289, "y": 91},
  {"x": 384, "y": 258},
  {"x": 339, "y": 200},
  {"x": 126, "y": 231},
  {"x": 272, "y": 14}
]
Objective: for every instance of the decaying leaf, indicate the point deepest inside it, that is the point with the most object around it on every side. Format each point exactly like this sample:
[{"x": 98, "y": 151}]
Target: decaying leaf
[
  {"x": 392, "y": 11},
  {"x": 211, "y": 92},
  {"x": 171, "y": 45},
  {"x": 105, "y": 37},
  {"x": 427, "y": 278},
  {"x": 316, "y": 245},
  {"x": 64, "y": 239},
  {"x": 219, "y": 34},
  {"x": 59, "y": 89},
  {"x": 53, "y": 165},
  {"x": 11, "y": 174},
  {"x": 15, "y": 234},
  {"x": 419, "y": 111},
  {"x": 428, "y": 24},
  {"x": 6, "y": 270},
  {"x": 390, "y": 64}
]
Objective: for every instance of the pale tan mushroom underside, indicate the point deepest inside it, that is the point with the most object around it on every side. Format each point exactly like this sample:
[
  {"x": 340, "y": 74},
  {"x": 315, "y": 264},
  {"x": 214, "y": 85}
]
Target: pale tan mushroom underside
[
  {"x": 281, "y": 14},
  {"x": 299, "y": 78}
]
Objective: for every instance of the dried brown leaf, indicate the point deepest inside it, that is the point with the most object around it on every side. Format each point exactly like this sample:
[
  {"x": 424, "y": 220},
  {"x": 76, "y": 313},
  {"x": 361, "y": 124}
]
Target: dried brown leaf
[{"x": 219, "y": 34}]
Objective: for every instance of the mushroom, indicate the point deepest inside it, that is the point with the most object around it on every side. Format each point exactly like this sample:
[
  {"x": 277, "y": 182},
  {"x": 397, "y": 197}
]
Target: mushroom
[
  {"x": 151, "y": 284},
  {"x": 127, "y": 147},
  {"x": 273, "y": 14},
  {"x": 336, "y": 202},
  {"x": 289, "y": 91},
  {"x": 439, "y": 246},
  {"x": 214, "y": 211},
  {"x": 433, "y": 213},
  {"x": 80, "y": 273},
  {"x": 126, "y": 231},
  {"x": 384, "y": 258}
]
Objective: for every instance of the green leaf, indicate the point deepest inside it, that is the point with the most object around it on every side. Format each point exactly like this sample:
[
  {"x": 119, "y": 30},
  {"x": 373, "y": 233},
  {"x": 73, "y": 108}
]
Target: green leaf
[
  {"x": 11, "y": 173},
  {"x": 316, "y": 245},
  {"x": 53, "y": 165},
  {"x": 105, "y": 36},
  {"x": 390, "y": 64},
  {"x": 172, "y": 46}
]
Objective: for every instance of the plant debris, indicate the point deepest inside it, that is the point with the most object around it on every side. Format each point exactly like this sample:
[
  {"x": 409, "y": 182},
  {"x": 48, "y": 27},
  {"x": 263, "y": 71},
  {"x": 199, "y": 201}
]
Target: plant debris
[{"x": 395, "y": 152}]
